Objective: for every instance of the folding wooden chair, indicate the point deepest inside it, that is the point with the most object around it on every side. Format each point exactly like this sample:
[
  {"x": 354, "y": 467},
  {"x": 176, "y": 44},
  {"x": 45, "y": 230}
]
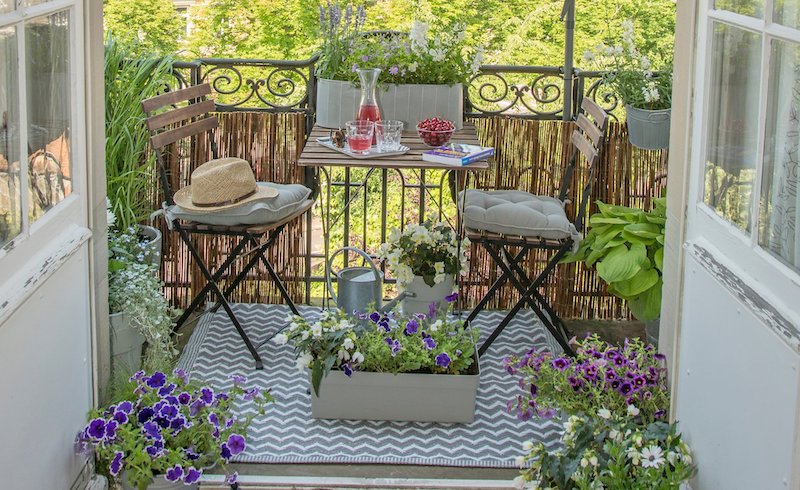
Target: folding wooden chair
[
  {"x": 500, "y": 220},
  {"x": 187, "y": 116}
]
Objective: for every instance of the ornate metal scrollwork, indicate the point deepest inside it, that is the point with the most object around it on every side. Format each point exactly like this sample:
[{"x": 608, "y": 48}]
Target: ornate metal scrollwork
[
  {"x": 497, "y": 90},
  {"x": 600, "y": 92}
]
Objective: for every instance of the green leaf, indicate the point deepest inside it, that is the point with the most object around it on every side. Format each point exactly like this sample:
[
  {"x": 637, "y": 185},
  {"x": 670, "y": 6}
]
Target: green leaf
[
  {"x": 647, "y": 306},
  {"x": 598, "y": 219},
  {"x": 622, "y": 263},
  {"x": 317, "y": 370},
  {"x": 658, "y": 258},
  {"x": 643, "y": 230},
  {"x": 636, "y": 285}
]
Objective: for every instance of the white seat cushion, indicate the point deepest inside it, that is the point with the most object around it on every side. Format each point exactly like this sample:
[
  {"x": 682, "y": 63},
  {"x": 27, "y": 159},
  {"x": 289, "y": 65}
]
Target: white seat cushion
[
  {"x": 261, "y": 212},
  {"x": 518, "y": 213}
]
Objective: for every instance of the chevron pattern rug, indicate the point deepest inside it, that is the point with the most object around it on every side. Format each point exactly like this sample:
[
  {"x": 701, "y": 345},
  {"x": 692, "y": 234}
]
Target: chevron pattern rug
[{"x": 288, "y": 434}]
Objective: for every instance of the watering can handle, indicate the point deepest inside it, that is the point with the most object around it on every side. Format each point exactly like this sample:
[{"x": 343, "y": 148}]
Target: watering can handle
[{"x": 329, "y": 273}]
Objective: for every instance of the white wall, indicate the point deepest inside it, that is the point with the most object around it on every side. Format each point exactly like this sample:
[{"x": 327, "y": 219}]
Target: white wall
[
  {"x": 737, "y": 387},
  {"x": 45, "y": 380}
]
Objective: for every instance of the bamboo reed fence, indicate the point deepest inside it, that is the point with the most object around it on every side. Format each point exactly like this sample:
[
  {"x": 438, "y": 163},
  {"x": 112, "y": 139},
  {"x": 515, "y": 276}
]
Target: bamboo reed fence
[{"x": 530, "y": 155}]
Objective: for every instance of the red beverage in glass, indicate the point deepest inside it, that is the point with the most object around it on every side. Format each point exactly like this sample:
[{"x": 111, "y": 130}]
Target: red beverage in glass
[
  {"x": 369, "y": 112},
  {"x": 360, "y": 142}
]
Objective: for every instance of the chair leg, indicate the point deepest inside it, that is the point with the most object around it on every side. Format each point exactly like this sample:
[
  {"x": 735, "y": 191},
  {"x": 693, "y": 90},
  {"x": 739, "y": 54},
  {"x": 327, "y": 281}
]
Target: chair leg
[
  {"x": 217, "y": 275},
  {"x": 225, "y": 305},
  {"x": 247, "y": 238},
  {"x": 492, "y": 290}
]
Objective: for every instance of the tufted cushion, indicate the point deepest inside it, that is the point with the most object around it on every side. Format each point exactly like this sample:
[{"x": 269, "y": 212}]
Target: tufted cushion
[
  {"x": 290, "y": 198},
  {"x": 518, "y": 213}
]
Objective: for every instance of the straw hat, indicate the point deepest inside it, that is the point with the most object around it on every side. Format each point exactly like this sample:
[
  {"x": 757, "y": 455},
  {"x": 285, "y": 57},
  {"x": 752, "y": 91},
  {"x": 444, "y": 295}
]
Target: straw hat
[{"x": 221, "y": 184}]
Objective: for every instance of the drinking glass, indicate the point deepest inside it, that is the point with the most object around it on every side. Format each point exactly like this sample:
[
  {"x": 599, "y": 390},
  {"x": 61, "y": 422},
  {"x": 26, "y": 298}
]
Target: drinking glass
[
  {"x": 388, "y": 134},
  {"x": 359, "y": 136}
]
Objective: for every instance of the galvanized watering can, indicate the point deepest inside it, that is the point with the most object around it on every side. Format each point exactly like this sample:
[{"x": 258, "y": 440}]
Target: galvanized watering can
[{"x": 360, "y": 288}]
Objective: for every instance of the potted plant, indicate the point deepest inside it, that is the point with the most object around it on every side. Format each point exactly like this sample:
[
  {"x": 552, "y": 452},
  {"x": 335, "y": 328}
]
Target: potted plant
[
  {"x": 167, "y": 431},
  {"x": 129, "y": 79},
  {"x": 424, "y": 259},
  {"x": 608, "y": 452},
  {"x": 138, "y": 310},
  {"x": 382, "y": 366},
  {"x": 422, "y": 73},
  {"x": 626, "y": 247},
  {"x": 645, "y": 89}
]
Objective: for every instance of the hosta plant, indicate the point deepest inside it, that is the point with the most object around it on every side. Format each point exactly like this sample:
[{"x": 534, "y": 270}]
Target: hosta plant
[
  {"x": 626, "y": 247},
  {"x": 608, "y": 452},
  {"x": 381, "y": 342},
  {"x": 168, "y": 427},
  {"x": 601, "y": 378}
]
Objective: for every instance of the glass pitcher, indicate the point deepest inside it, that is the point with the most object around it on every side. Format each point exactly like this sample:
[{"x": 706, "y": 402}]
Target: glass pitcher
[{"x": 368, "y": 109}]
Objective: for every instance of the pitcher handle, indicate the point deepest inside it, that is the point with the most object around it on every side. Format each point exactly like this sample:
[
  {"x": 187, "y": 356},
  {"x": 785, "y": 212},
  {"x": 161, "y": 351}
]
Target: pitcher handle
[{"x": 329, "y": 272}]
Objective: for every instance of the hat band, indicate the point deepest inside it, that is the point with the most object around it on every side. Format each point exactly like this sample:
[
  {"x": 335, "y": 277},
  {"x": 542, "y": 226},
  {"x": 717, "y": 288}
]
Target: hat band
[{"x": 225, "y": 203}]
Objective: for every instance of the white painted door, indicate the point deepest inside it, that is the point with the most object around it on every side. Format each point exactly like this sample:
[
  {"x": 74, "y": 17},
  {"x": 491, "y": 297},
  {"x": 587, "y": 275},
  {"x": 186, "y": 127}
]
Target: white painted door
[
  {"x": 45, "y": 234},
  {"x": 739, "y": 345}
]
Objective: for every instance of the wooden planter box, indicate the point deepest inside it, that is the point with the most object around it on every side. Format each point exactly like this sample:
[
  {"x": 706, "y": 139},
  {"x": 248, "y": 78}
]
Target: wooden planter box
[
  {"x": 337, "y": 103},
  {"x": 398, "y": 397}
]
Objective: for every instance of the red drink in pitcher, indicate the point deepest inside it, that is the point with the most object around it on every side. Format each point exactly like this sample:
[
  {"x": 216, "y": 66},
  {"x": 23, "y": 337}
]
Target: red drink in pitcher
[
  {"x": 368, "y": 109},
  {"x": 369, "y": 112}
]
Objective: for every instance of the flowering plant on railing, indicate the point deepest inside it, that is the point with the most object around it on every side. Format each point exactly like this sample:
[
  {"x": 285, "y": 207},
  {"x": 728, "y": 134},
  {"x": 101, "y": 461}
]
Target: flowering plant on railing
[
  {"x": 608, "y": 452},
  {"x": 601, "y": 378},
  {"x": 169, "y": 427},
  {"x": 381, "y": 342},
  {"x": 427, "y": 55},
  {"x": 631, "y": 74},
  {"x": 428, "y": 250}
]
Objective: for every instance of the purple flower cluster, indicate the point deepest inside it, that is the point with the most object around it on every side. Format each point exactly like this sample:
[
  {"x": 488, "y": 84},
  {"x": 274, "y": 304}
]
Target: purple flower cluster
[
  {"x": 601, "y": 375},
  {"x": 164, "y": 409}
]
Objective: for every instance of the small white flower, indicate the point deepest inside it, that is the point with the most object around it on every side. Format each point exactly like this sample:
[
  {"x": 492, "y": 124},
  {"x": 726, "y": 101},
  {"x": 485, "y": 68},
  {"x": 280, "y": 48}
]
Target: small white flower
[
  {"x": 348, "y": 343},
  {"x": 435, "y": 326},
  {"x": 290, "y": 318},
  {"x": 633, "y": 411},
  {"x": 519, "y": 482},
  {"x": 588, "y": 56},
  {"x": 304, "y": 360},
  {"x": 613, "y": 434},
  {"x": 634, "y": 455},
  {"x": 293, "y": 326},
  {"x": 584, "y": 462},
  {"x": 438, "y": 267},
  {"x": 357, "y": 358},
  {"x": 412, "y": 67},
  {"x": 672, "y": 457},
  {"x": 305, "y": 335},
  {"x": 343, "y": 355},
  {"x": 527, "y": 445},
  {"x": 519, "y": 461},
  {"x": 593, "y": 460},
  {"x": 316, "y": 330},
  {"x": 604, "y": 413},
  {"x": 652, "y": 457},
  {"x": 281, "y": 339}
]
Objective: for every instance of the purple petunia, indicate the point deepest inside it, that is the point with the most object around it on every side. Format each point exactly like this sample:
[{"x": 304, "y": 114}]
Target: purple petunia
[
  {"x": 175, "y": 473},
  {"x": 207, "y": 395},
  {"x": 192, "y": 475},
  {"x": 125, "y": 406},
  {"x": 145, "y": 414},
  {"x": 196, "y": 406},
  {"x": 155, "y": 450},
  {"x": 181, "y": 375},
  {"x": 625, "y": 388},
  {"x": 348, "y": 369},
  {"x": 238, "y": 379},
  {"x": 560, "y": 363},
  {"x": 121, "y": 417},
  {"x": 232, "y": 478},
  {"x": 157, "y": 380},
  {"x": 412, "y": 327},
  {"x": 428, "y": 342},
  {"x": 660, "y": 414},
  {"x": 364, "y": 58},
  {"x": 213, "y": 419},
  {"x": 151, "y": 430},
  {"x": 394, "y": 70},
  {"x": 251, "y": 394},
  {"x": 224, "y": 451},
  {"x": 111, "y": 429},
  {"x": 116, "y": 464},
  {"x": 384, "y": 324},
  {"x": 443, "y": 360},
  {"x": 168, "y": 412},
  {"x": 137, "y": 376},
  {"x": 97, "y": 429},
  {"x": 166, "y": 390},
  {"x": 394, "y": 345},
  {"x": 432, "y": 309},
  {"x": 451, "y": 297},
  {"x": 177, "y": 424},
  {"x": 375, "y": 317}
]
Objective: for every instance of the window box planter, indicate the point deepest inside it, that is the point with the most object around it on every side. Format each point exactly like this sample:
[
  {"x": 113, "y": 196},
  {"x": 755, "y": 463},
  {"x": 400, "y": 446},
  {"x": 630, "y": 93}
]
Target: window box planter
[
  {"x": 400, "y": 397},
  {"x": 337, "y": 103}
]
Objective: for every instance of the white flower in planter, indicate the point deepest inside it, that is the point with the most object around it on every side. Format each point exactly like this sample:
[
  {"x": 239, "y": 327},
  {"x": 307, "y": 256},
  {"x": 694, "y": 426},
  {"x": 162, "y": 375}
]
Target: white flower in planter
[
  {"x": 281, "y": 339},
  {"x": 348, "y": 343}
]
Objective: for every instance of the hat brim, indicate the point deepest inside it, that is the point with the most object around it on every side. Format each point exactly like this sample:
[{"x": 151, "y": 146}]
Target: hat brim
[{"x": 183, "y": 198}]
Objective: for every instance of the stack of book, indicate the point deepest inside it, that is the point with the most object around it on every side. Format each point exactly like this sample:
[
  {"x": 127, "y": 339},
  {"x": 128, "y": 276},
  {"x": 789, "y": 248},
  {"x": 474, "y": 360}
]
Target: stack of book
[{"x": 458, "y": 154}]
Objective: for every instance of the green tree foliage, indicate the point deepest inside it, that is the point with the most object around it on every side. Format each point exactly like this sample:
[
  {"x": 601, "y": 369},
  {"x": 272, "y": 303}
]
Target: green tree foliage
[{"x": 154, "y": 25}]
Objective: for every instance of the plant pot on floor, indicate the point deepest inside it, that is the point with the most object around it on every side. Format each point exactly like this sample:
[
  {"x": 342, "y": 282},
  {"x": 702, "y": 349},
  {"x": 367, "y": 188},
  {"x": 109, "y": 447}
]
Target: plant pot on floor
[
  {"x": 158, "y": 483},
  {"x": 337, "y": 103},
  {"x": 126, "y": 344},
  {"x": 151, "y": 237},
  {"x": 399, "y": 397},
  {"x": 424, "y": 295},
  {"x": 647, "y": 129}
]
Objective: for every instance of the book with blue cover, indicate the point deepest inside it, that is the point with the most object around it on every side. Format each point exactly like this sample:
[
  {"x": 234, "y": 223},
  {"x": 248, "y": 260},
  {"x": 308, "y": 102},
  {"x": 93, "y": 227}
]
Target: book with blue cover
[{"x": 458, "y": 154}]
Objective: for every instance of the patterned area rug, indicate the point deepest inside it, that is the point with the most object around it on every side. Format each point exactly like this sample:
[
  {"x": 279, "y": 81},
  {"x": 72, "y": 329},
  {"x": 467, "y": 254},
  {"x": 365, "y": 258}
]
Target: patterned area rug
[{"x": 288, "y": 434}]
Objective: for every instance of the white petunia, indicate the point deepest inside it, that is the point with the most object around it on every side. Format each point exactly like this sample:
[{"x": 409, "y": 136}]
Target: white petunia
[
  {"x": 584, "y": 462},
  {"x": 520, "y": 461},
  {"x": 633, "y": 411},
  {"x": 520, "y": 483},
  {"x": 593, "y": 460},
  {"x": 293, "y": 326},
  {"x": 304, "y": 360},
  {"x": 348, "y": 343},
  {"x": 604, "y": 413},
  {"x": 652, "y": 457},
  {"x": 357, "y": 358},
  {"x": 435, "y": 326},
  {"x": 281, "y": 339},
  {"x": 305, "y": 335},
  {"x": 527, "y": 445},
  {"x": 343, "y": 355}
]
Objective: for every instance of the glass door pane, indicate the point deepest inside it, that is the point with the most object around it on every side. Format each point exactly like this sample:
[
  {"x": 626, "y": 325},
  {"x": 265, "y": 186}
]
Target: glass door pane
[
  {"x": 751, "y": 8},
  {"x": 786, "y": 12},
  {"x": 732, "y": 122},
  {"x": 779, "y": 231},
  {"x": 10, "y": 195},
  {"x": 49, "y": 111}
]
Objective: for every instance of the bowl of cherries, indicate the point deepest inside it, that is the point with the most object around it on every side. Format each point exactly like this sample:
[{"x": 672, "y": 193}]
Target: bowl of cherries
[{"x": 435, "y": 132}]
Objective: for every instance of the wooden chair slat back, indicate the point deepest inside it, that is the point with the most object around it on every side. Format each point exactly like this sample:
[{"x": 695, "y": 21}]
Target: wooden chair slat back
[
  {"x": 171, "y": 98},
  {"x": 161, "y": 140},
  {"x": 180, "y": 114},
  {"x": 600, "y": 116},
  {"x": 593, "y": 132}
]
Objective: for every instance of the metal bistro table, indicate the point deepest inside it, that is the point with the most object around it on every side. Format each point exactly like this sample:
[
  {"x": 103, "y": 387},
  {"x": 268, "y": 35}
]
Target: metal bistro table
[{"x": 322, "y": 157}]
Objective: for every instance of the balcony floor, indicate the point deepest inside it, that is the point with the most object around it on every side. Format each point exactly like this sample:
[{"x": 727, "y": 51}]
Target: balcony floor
[{"x": 288, "y": 435}]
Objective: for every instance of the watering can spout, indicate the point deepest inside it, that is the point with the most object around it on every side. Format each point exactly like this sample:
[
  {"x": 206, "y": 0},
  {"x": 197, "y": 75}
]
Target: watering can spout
[{"x": 391, "y": 304}]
